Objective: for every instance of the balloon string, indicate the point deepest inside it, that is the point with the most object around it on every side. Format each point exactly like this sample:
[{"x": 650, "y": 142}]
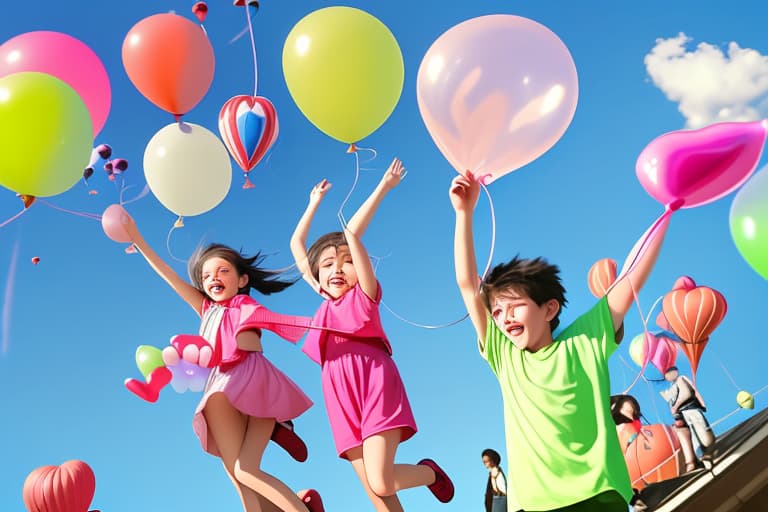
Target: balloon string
[
  {"x": 485, "y": 272},
  {"x": 646, "y": 335},
  {"x": 650, "y": 234},
  {"x": 725, "y": 370},
  {"x": 176, "y": 225},
  {"x": 340, "y": 213},
  {"x": 493, "y": 231},
  {"x": 80, "y": 214},
  {"x": 13, "y": 218},
  {"x": 650, "y": 311},
  {"x": 253, "y": 49},
  {"x": 140, "y": 195}
]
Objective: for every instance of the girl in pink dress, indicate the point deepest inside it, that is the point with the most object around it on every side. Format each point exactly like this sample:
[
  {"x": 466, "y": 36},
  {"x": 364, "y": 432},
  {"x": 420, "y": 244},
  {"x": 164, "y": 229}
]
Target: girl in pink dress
[
  {"x": 245, "y": 394},
  {"x": 364, "y": 395}
]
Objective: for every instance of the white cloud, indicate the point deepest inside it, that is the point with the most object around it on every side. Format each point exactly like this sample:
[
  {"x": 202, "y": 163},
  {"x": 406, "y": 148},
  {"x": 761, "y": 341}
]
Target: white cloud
[{"x": 709, "y": 85}]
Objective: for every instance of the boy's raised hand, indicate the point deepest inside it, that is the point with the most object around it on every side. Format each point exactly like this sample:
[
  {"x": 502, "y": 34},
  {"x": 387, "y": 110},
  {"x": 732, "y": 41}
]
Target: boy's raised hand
[
  {"x": 464, "y": 192},
  {"x": 318, "y": 192},
  {"x": 394, "y": 174}
]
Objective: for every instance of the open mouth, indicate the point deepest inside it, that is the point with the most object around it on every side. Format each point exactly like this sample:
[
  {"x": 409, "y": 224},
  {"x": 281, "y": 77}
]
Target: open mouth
[
  {"x": 515, "y": 330},
  {"x": 337, "y": 281},
  {"x": 217, "y": 288}
]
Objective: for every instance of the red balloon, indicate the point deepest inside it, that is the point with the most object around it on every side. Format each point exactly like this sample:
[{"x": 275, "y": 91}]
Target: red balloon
[
  {"x": 65, "y": 488},
  {"x": 200, "y": 9},
  {"x": 35, "y": 260},
  {"x": 693, "y": 315},
  {"x": 601, "y": 276},
  {"x": 248, "y": 126},
  {"x": 170, "y": 61}
]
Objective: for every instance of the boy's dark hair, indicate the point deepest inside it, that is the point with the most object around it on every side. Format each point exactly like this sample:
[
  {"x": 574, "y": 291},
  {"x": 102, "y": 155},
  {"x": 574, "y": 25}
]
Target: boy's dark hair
[
  {"x": 493, "y": 455},
  {"x": 334, "y": 239},
  {"x": 536, "y": 278},
  {"x": 262, "y": 280}
]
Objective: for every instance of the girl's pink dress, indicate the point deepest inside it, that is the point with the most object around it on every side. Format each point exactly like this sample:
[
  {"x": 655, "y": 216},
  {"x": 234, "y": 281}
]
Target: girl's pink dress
[
  {"x": 364, "y": 394},
  {"x": 253, "y": 385}
]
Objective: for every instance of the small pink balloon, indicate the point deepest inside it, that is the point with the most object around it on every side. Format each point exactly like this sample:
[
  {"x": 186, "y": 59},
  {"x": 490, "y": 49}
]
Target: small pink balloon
[
  {"x": 661, "y": 321},
  {"x": 67, "y": 59},
  {"x": 112, "y": 223},
  {"x": 690, "y": 168},
  {"x": 662, "y": 353},
  {"x": 684, "y": 283},
  {"x": 495, "y": 93}
]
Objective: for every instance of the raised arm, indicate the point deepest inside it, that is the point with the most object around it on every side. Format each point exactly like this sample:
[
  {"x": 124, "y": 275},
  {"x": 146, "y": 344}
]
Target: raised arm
[
  {"x": 464, "y": 193},
  {"x": 300, "y": 234},
  {"x": 186, "y": 291},
  {"x": 620, "y": 297},
  {"x": 359, "y": 222}
]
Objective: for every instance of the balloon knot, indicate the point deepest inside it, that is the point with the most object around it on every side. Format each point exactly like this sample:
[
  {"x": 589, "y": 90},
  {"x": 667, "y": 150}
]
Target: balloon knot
[
  {"x": 179, "y": 222},
  {"x": 248, "y": 183},
  {"x": 352, "y": 148},
  {"x": 675, "y": 205}
]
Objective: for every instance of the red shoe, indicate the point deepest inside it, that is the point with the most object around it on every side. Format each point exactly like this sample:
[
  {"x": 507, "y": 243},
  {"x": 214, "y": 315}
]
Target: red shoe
[
  {"x": 442, "y": 487},
  {"x": 284, "y": 436},
  {"x": 150, "y": 390},
  {"x": 311, "y": 499}
]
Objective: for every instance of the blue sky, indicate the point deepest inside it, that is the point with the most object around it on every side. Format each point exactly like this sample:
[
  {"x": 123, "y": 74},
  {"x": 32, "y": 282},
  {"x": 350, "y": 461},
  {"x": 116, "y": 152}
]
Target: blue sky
[{"x": 75, "y": 320}]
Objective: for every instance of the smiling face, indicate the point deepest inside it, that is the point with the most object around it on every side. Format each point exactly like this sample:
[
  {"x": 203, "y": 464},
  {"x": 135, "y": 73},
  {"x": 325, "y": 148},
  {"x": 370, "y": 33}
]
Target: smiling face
[
  {"x": 335, "y": 271},
  {"x": 524, "y": 322},
  {"x": 220, "y": 279}
]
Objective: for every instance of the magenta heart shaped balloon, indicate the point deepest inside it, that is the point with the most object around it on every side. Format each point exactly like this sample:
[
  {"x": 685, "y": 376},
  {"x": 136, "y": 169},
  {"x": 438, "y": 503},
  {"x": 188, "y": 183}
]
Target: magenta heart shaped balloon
[{"x": 695, "y": 167}]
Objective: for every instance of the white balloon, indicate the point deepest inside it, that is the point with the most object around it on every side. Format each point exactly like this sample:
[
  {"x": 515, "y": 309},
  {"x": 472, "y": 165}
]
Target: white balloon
[{"x": 187, "y": 168}]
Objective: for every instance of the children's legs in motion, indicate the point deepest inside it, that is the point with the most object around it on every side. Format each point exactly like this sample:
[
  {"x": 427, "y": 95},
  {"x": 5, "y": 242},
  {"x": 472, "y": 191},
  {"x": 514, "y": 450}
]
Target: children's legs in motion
[
  {"x": 380, "y": 503},
  {"x": 383, "y": 476},
  {"x": 686, "y": 444},
  {"x": 241, "y": 440},
  {"x": 251, "y": 501}
]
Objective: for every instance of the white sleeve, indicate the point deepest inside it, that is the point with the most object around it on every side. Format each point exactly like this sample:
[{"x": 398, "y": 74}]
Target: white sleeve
[{"x": 501, "y": 483}]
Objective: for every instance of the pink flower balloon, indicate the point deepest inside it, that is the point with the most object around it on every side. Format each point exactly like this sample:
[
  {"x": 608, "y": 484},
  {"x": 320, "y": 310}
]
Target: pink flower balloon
[
  {"x": 496, "y": 92},
  {"x": 65, "y": 58},
  {"x": 695, "y": 167}
]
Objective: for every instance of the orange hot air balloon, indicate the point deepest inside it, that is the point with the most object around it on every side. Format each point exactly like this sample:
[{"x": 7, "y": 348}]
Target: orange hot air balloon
[
  {"x": 693, "y": 315},
  {"x": 601, "y": 276},
  {"x": 65, "y": 488},
  {"x": 652, "y": 455}
]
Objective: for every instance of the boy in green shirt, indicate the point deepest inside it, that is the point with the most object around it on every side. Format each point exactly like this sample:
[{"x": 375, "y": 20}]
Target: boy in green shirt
[{"x": 562, "y": 446}]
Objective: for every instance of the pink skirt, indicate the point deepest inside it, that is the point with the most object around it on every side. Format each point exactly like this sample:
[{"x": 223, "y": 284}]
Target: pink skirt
[{"x": 254, "y": 387}]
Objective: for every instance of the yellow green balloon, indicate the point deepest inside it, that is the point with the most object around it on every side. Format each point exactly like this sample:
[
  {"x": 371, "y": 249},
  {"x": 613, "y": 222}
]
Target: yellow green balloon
[
  {"x": 637, "y": 349},
  {"x": 46, "y": 134},
  {"x": 749, "y": 222},
  {"x": 344, "y": 70},
  {"x": 148, "y": 358},
  {"x": 745, "y": 400}
]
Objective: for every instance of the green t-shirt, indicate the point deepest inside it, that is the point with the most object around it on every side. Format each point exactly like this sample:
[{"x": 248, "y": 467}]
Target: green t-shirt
[{"x": 562, "y": 446}]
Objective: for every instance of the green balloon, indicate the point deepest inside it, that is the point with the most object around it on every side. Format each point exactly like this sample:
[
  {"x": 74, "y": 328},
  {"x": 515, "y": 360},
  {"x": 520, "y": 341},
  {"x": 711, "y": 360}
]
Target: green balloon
[
  {"x": 148, "y": 358},
  {"x": 46, "y": 135},
  {"x": 749, "y": 222}
]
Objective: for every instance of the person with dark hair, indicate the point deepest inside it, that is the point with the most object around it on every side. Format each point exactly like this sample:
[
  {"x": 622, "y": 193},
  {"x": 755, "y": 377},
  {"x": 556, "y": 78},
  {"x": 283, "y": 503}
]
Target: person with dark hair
[
  {"x": 687, "y": 407},
  {"x": 246, "y": 395},
  {"x": 365, "y": 397},
  {"x": 561, "y": 439},
  {"x": 496, "y": 488}
]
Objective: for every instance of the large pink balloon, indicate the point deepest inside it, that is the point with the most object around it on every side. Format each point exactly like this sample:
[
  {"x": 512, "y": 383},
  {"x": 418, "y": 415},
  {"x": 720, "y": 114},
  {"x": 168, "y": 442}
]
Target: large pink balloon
[
  {"x": 695, "y": 167},
  {"x": 66, "y": 58},
  {"x": 496, "y": 92}
]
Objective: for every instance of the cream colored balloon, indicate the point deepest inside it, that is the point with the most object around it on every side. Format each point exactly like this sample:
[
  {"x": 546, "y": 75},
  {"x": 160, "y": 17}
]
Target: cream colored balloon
[{"x": 187, "y": 168}]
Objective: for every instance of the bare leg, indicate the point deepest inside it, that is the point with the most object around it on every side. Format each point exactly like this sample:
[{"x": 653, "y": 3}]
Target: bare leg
[
  {"x": 686, "y": 443},
  {"x": 241, "y": 441},
  {"x": 248, "y": 467},
  {"x": 251, "y": 500},
  {"x": 384, "y": 476},
  {"x": 380, "y": 503}
]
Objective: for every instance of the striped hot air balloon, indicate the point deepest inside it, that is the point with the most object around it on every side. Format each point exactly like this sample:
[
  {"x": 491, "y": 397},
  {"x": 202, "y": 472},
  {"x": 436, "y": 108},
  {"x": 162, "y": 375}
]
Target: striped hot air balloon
[
  {"x": 693, "y": 315},
  {"x": 248, "y": 126}
]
